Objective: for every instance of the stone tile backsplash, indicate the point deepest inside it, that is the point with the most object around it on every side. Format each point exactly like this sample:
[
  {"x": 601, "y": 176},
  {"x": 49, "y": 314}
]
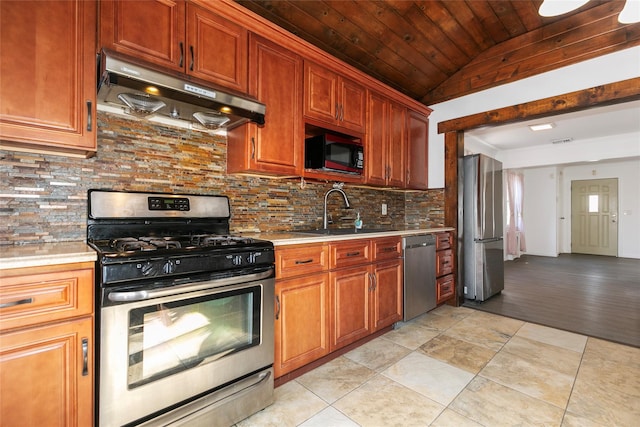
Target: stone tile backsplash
[{"x": 43, "y": 198}]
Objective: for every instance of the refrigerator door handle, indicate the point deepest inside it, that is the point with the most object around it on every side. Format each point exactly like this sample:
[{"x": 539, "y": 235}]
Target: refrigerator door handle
[{"x": 492, "y": 239}]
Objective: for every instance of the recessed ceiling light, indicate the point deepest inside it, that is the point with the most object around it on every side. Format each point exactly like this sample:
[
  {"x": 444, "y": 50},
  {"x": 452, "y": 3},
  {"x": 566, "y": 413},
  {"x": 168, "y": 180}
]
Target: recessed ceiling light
[{"x": 542, "y": 126}]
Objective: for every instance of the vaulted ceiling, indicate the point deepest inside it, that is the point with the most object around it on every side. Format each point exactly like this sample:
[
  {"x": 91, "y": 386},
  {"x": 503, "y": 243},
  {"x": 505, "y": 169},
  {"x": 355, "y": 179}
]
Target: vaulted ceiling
[{"x": 436, "y": 50}]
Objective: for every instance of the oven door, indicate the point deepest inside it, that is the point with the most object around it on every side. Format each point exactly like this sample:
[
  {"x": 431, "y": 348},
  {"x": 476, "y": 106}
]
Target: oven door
[{"x": 158, "y": 352}]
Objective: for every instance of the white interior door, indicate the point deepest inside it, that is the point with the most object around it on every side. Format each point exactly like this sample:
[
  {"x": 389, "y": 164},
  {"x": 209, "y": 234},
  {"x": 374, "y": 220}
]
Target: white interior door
[{"x": 594, "y": 217}]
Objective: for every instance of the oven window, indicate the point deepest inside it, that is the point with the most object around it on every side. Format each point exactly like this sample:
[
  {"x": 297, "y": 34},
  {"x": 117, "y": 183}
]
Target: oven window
[{"x": 165, "y": 339}]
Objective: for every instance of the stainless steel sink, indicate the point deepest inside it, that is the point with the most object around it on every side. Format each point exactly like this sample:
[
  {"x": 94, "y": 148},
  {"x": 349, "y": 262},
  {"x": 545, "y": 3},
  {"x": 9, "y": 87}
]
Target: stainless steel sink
[{"x": 343, "y": 231}]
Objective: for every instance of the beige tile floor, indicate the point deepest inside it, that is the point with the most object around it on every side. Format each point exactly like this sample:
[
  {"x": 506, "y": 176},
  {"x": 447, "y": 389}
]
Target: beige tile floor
[{"x": 460, "y": 367}]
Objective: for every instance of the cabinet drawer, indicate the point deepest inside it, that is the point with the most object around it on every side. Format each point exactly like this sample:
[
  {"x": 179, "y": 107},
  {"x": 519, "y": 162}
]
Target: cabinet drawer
[
  {"x": 387, "y": 248},
  {"x": 444, "y": 262},
  {"x": 45, "y": 294},
  {"x": 348, "y": 253},
  {"x": 300, "y": 259},
  {"x": 444, "y": 288},
  {"x": 443, "y": 241}
]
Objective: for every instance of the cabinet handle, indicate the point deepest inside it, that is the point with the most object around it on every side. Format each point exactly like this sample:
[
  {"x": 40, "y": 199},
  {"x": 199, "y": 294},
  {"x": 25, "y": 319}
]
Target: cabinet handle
[
  {"x": 17, "y": 302},
  {"x": 389, "y": 249},
  {"x": 350, "y": 254},
  {"x": 337, "y": 117},
  {"x": 89, "y": 116},
  {"x": 306, "y": 261},
  {"x": 192, "y": 57},
  {"x": 253, "y": 148},
  {"x": 342, "y": 113},
  {"x": 181, "y": 55},
  {"x": 375, "y": 281},
  {"x": 277, "y": 307},
  {"x": 370, "y": 281},
  {"x": 85, "y": 357}
]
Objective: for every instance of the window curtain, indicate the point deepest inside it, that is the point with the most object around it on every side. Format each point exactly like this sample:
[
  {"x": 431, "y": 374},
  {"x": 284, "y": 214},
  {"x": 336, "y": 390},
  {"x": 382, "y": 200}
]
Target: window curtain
[{"x": 515, "y": 223}]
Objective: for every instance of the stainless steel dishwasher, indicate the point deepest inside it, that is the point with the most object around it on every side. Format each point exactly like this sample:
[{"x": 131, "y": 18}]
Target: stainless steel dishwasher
[{"x": 419, "y": 274}]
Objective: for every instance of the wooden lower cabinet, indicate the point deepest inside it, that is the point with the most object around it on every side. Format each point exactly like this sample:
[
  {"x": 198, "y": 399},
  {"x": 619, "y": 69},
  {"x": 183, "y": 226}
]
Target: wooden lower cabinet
[
  {"x": 46, "y": 345},
  {"x": 301, "y": 324},
  {"x": 445, "y": 279},
  {"x": 324, "y": 306},
  {"x": 387, "y": 294},
  {"x": 46, "y": 375},
  {"x": 364, "y": 300},
  {"x": 350, "y": 305}
]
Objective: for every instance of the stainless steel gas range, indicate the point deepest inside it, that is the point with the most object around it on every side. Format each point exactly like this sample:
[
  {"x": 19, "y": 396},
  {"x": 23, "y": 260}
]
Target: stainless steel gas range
[{"x": 185, "y": 311}]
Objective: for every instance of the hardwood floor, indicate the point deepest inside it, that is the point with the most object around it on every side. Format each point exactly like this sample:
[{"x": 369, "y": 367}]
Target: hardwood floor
[{"x": 591, "y": 295}]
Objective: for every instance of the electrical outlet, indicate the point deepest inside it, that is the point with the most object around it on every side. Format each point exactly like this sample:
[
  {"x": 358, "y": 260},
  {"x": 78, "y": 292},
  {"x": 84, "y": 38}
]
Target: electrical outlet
[
  {"x": 465, "y": 289},
  {"x": 384, "y": 209}
]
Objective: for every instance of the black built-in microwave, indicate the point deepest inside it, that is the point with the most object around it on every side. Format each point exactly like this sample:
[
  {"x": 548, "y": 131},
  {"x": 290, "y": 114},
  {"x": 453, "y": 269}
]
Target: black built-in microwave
[{"x": 334, "y": 153}]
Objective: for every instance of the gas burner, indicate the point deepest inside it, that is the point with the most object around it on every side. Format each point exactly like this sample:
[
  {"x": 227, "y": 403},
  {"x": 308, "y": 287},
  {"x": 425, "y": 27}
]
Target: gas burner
[
  {"x": 128, "y": 244},
  {"x": 202, "y": 240},
  {"x": 162, "y": 242}
]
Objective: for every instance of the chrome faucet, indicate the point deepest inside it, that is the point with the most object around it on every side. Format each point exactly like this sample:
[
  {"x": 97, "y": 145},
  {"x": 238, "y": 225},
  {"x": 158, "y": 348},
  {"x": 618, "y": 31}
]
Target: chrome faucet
[{"x": 336, "y": 187}]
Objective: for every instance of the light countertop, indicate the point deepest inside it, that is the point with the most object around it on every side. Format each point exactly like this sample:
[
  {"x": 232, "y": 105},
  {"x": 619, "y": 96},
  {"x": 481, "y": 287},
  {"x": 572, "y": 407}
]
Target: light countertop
[
  {"x": 281, "y": 238},
  {"x": 40, "y": 254}
]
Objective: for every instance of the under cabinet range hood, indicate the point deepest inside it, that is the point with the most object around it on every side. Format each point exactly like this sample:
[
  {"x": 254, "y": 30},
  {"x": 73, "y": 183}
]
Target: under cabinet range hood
[{"x": 142, "y": 91}]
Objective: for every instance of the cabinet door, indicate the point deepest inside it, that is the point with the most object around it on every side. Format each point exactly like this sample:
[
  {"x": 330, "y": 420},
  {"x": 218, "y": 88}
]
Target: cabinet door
[
  {"x": 417, "y": 151},
  {"x": 46, "y": 375},
  {"x": 376, "y": 137},
  {"x": 352, "y": 104},
  {"x": 216, "y": 49},
  {"x": 301, "y": 324},
  {"x": 445, "y": 288},
  {"x": 350, "y": 305},
  {"x": 150, "y": 30},
  {"x": 396, "y": 152},
  {"x": 277, "y": 147},
  {"x": 48, "y": 71},
  {"x": 387, "y": 294},
  {"x": 320, "y": 93}
]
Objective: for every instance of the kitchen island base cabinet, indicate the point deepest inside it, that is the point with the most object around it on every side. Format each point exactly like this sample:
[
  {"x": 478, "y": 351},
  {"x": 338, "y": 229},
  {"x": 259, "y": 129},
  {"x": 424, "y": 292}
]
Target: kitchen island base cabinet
[{"x": 301, "y": 325}]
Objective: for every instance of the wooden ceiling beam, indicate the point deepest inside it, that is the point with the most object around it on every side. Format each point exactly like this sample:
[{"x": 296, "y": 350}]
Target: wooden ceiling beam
[{"x": 607, "y": 94}]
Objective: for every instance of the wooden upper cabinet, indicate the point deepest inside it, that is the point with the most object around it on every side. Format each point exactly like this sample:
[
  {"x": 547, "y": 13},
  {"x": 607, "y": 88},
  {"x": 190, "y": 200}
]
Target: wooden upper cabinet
[
  {"x": 385, "y": 149},
  {"x": 276, "y": 147},
  {"x": 48, "y": 83},
  {"x": 417, "y": 151},
  {"x": 150, "y": 30},
  {"x": 333, "y": 99},
  {"x": 179, "y": 36},
  {"x": 217, "y": 49}
]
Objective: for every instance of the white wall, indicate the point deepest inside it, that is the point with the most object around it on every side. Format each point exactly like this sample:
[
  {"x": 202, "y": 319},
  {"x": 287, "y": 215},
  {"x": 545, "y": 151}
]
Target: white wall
[
  {"x": 610, "y": 68},
  {"x": 540, "y": 211}
]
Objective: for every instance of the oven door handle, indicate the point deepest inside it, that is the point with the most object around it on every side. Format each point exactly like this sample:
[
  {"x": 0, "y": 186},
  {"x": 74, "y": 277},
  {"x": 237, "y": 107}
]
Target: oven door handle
[{"x": 141, "y": 295}]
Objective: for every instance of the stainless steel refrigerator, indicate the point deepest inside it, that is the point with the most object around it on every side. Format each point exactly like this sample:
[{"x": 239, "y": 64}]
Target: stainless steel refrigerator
[{"x": 483, "y": 259}]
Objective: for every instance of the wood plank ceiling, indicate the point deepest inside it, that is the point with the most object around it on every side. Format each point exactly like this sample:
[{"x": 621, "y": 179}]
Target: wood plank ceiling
[{"x": 437, "y": 50}]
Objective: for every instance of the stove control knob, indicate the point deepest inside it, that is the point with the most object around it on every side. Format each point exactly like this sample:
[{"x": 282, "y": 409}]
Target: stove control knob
[
  {"x": 147, "y": 269},
  {"x": 237, "y": 260},
  {"x": 251, "y": 258},
  {"x": 169, "y": 267}
]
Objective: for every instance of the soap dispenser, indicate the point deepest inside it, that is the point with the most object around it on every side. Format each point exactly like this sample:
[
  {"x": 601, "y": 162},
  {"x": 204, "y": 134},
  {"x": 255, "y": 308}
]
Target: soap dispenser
[{"x": 358, "y": 222}]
